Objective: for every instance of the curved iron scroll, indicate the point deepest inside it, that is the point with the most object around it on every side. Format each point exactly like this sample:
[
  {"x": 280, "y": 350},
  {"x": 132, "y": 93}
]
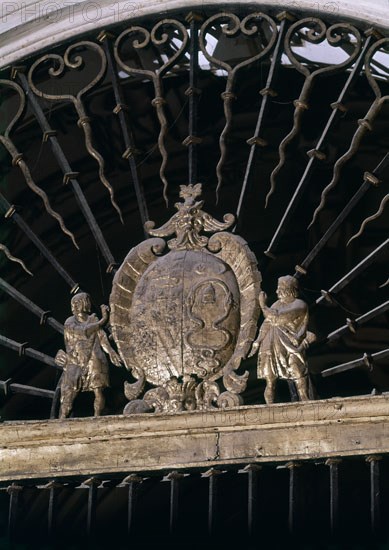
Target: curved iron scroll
[
  {"x": 364, "y": 125},
  {"x": 12, "y": 258},
  {"x": 157, "y": 38},
  {"x": 17, "y": 158},
  {"x": 234, "y": 26},
  {"x": 75, "y": 61},
  {"x": 316, "y": 32}
]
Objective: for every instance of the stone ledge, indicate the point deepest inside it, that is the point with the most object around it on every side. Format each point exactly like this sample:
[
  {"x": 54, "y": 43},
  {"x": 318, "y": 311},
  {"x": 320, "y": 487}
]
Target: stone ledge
[{"x": 119, "y": 444}]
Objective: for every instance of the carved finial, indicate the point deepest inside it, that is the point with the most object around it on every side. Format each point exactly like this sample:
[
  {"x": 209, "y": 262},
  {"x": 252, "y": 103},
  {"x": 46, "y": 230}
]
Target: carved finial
[
  {"x": 189, "y": 222},
  {"x": 190, "y": 192}
]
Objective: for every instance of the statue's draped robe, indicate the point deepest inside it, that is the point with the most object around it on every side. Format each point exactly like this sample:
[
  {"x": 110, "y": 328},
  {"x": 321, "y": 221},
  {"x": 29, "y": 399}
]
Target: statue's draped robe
[
  {"x": 87, "y": 366},
  {"x": 280, "y": 338}
]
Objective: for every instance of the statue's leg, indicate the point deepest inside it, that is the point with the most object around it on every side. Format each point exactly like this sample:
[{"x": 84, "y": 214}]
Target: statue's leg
[
  {"x": 67, "y": 398},
  {"x": 99, "y": 401},
  {"x": 298, "y": 372},
  {"x": 302, "y": 387},
  {"x": 266, "y": 372},
  {"x": 270, "y": 389}
]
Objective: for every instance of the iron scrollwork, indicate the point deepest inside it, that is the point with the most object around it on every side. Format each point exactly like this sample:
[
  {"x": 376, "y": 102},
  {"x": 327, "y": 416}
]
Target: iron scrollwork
[
  {"x": 316, "y": 32},
  {"x": 364, "y": 124},
  {"x": 231, "y": 26},
  {"x": 155, "y": 37},
  {"x": 17, "y": 158},
  {"x": 73, "y": 60},
  {"x": 12, "y": 258}
]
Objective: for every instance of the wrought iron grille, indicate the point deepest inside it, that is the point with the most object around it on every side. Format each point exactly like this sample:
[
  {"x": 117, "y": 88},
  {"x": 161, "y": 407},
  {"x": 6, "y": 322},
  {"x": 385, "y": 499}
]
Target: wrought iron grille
[
  {"x": 301, "y": 504},
  {"x": 284, "y": 120},
  {"x": 138, "y": 110}
]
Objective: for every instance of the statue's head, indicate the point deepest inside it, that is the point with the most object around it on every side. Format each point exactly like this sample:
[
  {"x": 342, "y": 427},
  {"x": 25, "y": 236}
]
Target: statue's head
[
  {"x": 287, "y": 287},
  {"x": 80, "y": 303}
]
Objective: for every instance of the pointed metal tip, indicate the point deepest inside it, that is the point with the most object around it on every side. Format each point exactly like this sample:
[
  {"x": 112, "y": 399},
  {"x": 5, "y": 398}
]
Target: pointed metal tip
[{"x": 311, "y": 223}]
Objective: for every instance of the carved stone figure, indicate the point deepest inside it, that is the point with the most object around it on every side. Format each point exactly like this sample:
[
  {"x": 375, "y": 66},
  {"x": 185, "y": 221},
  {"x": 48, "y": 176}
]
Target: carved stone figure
[
  {"x": 84, "y": 362},
  {"x": 185, "y": 319},
  {"x": 282, "y": 340}
]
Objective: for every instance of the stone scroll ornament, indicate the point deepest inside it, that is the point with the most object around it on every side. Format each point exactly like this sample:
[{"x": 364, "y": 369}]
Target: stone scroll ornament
[{"x": 184, "y": 313}]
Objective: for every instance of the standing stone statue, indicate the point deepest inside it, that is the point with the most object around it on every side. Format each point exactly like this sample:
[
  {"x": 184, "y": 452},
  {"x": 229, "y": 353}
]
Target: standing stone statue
[
  {"x": 84, "y": 362},
  {"x": 282, "y": 340}
]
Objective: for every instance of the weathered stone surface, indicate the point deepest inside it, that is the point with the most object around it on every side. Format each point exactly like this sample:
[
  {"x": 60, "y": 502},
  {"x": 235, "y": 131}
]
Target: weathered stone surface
[{"x": 281, "y": 432}]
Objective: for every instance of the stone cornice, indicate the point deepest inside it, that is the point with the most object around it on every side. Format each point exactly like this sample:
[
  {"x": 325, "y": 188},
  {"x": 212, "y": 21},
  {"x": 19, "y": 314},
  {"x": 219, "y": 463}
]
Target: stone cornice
[{"x": 142, "y": 443}]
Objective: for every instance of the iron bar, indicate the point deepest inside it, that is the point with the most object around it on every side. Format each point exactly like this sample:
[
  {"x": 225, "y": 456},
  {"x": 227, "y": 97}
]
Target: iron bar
[
  {"x": 73, "y": 60},
  {"x": 121, "y": 111},
  {"x": 22, "y": 349},
  {"x": 52, "y": 487},
  {"x": 352, "y": 325},
  {"x": 54, "y": 411},
  {"x": 17, "y": 158},
  {"x": 344, "y": 281},
  {"x": 132, "y": 482},
  {"x": 28, "y": 304},
  {"x": 367, "y": 360},
  {"x": 193, "y": 93},
  {"x": 10, "y": 212},
  {"x": 51, "y": 515},
  {"x": 369, "y": 179},
  {"x": 14, "y": 491},
  {"x": 375, "y": 492},
  {"x": 174, "y": 478},
  {"x": 10, "y": 387},
  {"x": 156, "y": 77},
  {"x": 69, "y": 174},
  {"x": 315, "y": 155},
  {"x": 333, "y": 464},
  {"x": 266, "y": 93},
  {"x": 91, "y": 484},
  {"x": 252, "y": 471},
  {"x": 228, "y": 96},
  {"x": 365, "y": 124},
  {"x": 212, "y": 476},
  {"x": 293, "y": 515}
]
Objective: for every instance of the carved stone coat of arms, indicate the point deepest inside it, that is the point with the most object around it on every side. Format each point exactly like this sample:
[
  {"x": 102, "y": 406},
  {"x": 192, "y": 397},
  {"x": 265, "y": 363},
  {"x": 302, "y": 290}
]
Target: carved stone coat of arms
[{"x": 184, "y": 312}]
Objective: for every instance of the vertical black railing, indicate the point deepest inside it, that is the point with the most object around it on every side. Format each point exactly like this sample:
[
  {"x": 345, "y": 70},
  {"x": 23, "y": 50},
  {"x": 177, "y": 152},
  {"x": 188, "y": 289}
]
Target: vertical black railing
[
  {"x": 333, "y": 465},
  {"x": 121, "y": 110},
  {"x": 375, "y": 493},
  {"x": 193, "y": 92}
]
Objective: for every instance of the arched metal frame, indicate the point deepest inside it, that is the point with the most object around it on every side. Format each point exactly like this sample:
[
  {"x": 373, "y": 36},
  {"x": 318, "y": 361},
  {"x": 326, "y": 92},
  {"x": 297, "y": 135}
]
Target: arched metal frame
[
  {"x": 272, "y": 165},
  {"x": 157, "y": 53}
]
